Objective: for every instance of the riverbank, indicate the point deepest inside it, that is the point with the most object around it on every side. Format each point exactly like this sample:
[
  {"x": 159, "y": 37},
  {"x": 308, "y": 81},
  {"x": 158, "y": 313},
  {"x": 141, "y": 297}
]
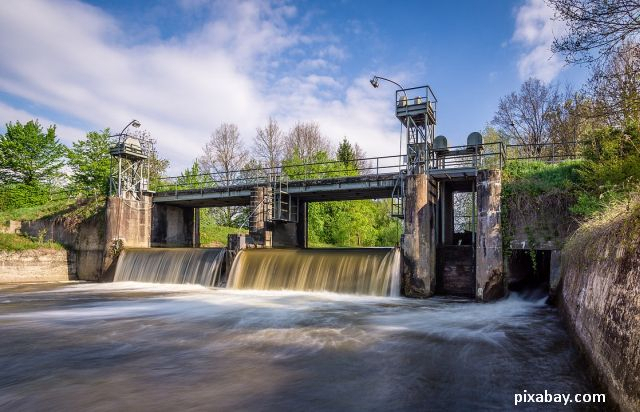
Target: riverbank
[{"x": 600, "y": 297}]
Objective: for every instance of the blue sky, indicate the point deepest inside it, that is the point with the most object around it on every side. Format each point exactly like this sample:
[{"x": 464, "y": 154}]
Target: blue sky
[{"x": 182, "y": 67}]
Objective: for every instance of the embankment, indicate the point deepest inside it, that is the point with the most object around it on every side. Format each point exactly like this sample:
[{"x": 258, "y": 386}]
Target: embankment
[
  {"x": 37, "y": 265},
  {"x": 600, "y": 298}
]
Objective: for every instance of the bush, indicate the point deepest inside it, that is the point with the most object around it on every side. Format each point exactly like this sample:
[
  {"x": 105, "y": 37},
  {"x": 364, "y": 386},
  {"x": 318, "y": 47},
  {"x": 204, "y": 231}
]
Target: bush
[{"x": 20, "y": 195}]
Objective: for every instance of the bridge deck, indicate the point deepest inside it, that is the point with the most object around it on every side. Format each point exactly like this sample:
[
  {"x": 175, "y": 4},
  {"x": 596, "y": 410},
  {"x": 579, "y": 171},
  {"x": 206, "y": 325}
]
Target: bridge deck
[{"x": 374, "y": 186}]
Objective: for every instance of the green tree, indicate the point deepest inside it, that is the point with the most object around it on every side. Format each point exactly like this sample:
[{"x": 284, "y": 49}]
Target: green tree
[
  {"x": 89, "y": 160},
  {"x": 30, "y": 156},
  {"x": 346, "y": 154}
]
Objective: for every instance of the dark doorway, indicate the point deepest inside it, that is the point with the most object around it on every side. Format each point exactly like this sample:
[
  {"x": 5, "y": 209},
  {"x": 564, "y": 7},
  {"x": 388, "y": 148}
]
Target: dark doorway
[{"x": 529, "y": 270}]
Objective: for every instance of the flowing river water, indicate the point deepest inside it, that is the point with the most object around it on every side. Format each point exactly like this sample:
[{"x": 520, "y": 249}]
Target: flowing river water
[{"x": 151, "y": 347}]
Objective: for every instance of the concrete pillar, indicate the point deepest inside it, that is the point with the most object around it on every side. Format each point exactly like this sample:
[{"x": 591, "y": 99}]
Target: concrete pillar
[
  {"x": 128, "y": 223},
  {"x": 490, "y": 277},
  {"x": 261, "y": 209},
  {"x": 173, "y": 226},
  {"x": 196, "y": 227},
  {"x": 303, "y": 225},
  {"x": 418, "y": 240}
]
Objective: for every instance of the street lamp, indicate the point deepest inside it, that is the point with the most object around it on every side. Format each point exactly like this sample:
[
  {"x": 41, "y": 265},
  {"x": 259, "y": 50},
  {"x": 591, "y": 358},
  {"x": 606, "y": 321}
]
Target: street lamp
[
  {"x": 375, "y": 83},
  {"x": 133, "y": 123}
]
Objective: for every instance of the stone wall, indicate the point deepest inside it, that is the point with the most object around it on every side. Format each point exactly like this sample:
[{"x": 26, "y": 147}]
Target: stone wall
[
  {"x": 600, "y": 298},
  {"x": 41, "y": 265}
]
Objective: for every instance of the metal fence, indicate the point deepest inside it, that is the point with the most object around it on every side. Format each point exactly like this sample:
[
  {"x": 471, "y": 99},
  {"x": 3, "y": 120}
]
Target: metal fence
[{"x": 372, "y": 166}]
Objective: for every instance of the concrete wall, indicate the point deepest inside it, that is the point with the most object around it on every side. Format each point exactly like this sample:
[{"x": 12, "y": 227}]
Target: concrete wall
[
  {"x": 490, "y": 280},
  {"x": 418, "y": 240},
  {"x": 41, "y": 265},
  {"x": 600, "y": 298},
  {"x": 173, "y": 226}
]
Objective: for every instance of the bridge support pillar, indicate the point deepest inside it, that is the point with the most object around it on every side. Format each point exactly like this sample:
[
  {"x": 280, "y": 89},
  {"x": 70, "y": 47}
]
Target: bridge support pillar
[
  {"x": 174, "y": 226},
  {"x": 490, "y": 282},
  {"x": 418, "y": 242}
]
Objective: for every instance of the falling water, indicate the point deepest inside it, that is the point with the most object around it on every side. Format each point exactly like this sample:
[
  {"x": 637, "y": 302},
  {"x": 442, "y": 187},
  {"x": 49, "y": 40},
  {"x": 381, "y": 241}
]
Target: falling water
[
  {"x": 189, "y": 266},
  {"x": 366, "y": 271}
]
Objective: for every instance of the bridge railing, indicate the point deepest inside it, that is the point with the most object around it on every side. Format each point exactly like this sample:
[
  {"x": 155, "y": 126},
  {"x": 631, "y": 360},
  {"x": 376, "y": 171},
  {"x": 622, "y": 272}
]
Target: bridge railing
[
  {"x": 485, "y": 156},
  {"x": 546, "y": 152},
  {"x": 306, "y": 171}
]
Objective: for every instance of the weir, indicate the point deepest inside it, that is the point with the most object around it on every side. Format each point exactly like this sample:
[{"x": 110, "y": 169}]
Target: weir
[
  {"x": 364, "y": 271},
  {"x": 180, "y": 266},
  {"x": 446, "y": 248}
]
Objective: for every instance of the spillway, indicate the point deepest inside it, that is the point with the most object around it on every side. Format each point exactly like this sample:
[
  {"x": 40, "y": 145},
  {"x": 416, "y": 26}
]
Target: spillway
[
  {"x": 365, "y": 271},
  {"x": 181, "y": 266}
]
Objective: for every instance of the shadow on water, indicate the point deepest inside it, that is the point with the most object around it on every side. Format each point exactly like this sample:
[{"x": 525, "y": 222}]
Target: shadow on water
[{"x": 158, "y": 347}]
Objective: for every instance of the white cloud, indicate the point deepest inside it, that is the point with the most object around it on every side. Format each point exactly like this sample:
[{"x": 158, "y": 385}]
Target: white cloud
[
  {"x": 535, "y": 31},
  {"x": 75, "y": 59}
]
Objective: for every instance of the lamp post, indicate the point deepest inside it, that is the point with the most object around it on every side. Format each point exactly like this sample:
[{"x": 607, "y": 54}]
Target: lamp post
[
  {"x": 375, "y": 83},
  {"x": 133, "y": 123}
]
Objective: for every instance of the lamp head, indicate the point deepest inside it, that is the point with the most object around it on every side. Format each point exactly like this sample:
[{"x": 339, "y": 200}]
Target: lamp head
[
  {"x": 135, "y": 123},
  {"x": 374, "y": 81}
]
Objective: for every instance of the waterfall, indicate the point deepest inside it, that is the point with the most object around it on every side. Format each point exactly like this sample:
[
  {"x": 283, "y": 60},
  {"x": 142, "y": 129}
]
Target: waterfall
[
  {"x": 186, "y": 265},
  {"x": 365, "y": 271}
]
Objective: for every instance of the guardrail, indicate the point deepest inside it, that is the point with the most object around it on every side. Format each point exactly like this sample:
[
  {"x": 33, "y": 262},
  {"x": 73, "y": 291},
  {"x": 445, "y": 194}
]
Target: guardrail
[
  {"x": 489, "y": 155},
  {"x": 485, "y": 156},
  {"x": 371, "y": 166}
]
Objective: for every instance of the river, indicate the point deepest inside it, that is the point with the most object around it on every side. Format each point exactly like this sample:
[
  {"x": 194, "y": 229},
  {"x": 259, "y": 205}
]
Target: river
[{"x": 135, "y": 346}]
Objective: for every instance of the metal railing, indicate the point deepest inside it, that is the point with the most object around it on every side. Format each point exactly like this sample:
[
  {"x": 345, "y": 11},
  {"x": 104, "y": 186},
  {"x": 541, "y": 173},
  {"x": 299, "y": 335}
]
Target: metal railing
[
  {"x": 546, "y": 152},
  {"x": 486, "y": 156},
  {"x": 372, "y": 166}
]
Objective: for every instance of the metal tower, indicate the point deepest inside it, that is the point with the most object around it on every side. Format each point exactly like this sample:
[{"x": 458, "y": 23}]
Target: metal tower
[
  {"x": 129, "y": 164},
  {"x": 416, "y": 110}
]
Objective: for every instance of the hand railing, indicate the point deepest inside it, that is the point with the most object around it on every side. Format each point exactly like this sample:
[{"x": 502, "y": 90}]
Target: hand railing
[{"x": 373, "y": 166}]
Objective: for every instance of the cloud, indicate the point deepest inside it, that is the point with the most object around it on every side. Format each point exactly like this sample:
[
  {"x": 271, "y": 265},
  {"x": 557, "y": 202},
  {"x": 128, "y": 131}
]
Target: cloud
[
  {"x": 246, "y": 61},
  {"x": 535, "y": 31}
]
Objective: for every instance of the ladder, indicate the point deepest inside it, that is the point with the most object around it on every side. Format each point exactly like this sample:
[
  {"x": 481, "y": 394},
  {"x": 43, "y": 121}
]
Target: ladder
[
  {"x": 284, "y": 208},
  {"x": 397, "y": 198}
]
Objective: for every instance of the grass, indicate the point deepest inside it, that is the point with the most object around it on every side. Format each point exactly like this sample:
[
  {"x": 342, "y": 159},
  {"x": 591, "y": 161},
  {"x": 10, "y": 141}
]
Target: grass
[
  {"x": 536, "y": 177},
  {"x": 613, "y": 233},
  {"x": 36, "y": 212},
  {"x": 14, "y": 243},
  {"x": 215, "y": 235}
]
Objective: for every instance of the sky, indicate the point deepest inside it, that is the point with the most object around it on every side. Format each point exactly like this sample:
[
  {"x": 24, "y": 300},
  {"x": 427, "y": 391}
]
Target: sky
[{"x": 183, "y": 67}]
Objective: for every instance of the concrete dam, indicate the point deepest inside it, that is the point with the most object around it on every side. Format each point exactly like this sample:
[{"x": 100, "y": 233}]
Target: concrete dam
[{"x": 448, "y": 198}]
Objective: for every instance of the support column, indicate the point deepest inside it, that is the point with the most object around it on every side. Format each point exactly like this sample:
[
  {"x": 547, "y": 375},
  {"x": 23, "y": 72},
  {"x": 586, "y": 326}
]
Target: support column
[
  {"x": 260, "y": 205},
  {"x": 418, "y": 241},
  {"x": 490, "y": 283},
  {"x": 303, "y": 226}
]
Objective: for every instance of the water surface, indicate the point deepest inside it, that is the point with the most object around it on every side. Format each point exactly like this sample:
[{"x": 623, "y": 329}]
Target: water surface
[{"x": 134, "y": 346}]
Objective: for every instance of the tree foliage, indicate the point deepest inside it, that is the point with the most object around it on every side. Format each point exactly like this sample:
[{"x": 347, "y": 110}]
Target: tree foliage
[
  {"x": 596, "y": 28},
  {"x": 269, "y": 144},
  {"x": 89, "y": 161},
  {"x": 524, "y": 117},
  {"x": 30, "y": 156}
]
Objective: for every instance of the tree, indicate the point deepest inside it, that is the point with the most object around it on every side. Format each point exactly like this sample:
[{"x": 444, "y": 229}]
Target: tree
[
  {"x": 596, "y": 28},
  {"x": 223, "y": 156},
  {"x": 89, "y": 160},
  {"x": 306, "y": 140},
  {"x": 30, "y": 156},
  {"x": 615, "y": 86},
  {"x": 524, "y": 117},
  {"x": 346, "y": 154},
  {"x": 269, "y": 144}
]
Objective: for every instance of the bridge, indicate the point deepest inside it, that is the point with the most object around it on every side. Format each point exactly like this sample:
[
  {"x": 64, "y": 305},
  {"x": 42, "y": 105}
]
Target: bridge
[{"x": 445, "y": 249}]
